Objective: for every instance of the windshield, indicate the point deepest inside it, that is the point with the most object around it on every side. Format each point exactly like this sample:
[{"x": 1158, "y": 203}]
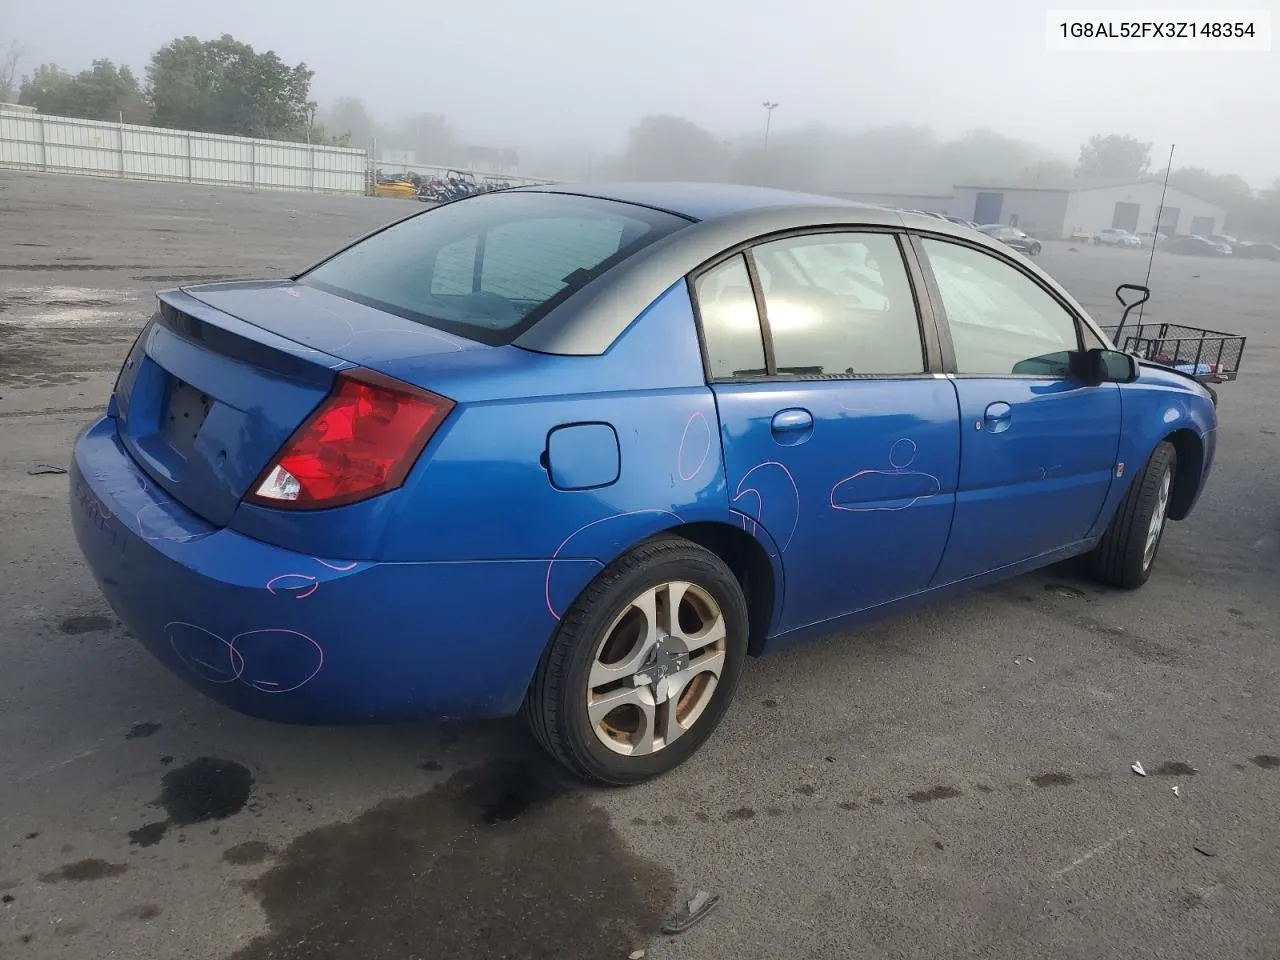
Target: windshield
[{"x": 489, "y": 267}]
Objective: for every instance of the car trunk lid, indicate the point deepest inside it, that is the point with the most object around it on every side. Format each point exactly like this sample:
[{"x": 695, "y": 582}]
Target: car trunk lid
[{"x": 223, "y": 376}]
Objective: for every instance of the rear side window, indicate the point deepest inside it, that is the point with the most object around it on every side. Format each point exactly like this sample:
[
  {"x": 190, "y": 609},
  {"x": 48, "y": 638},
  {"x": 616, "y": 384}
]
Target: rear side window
[
  {"x": 730, "y": 321},
  {"x": 840, "y": 304},
  {"x": 489, "y": 267}
]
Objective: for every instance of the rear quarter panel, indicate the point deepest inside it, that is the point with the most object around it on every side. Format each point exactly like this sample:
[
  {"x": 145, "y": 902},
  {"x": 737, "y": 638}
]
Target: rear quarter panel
[{"x": 486, "y": 492}]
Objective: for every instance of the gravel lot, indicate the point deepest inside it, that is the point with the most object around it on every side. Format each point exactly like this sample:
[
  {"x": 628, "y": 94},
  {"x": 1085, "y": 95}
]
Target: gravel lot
[{"x": 951, "y": 783}]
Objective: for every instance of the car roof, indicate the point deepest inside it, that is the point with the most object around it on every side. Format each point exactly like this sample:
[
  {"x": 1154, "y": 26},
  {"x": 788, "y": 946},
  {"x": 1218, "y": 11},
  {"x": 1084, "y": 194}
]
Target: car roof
[
  {"x": 721, "y": 217},
  {"x": 694, "y": 201}
]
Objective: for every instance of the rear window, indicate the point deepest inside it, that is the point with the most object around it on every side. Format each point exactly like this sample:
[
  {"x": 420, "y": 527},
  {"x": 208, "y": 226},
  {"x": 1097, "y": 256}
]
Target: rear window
[{"x": 489, "y": 267}]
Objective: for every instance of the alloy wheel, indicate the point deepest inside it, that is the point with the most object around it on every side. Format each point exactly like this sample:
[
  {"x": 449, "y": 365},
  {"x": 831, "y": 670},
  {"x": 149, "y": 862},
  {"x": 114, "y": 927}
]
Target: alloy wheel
[
  {"x": 656, "y": 668},
  {"x": 1156, "y": 526}
]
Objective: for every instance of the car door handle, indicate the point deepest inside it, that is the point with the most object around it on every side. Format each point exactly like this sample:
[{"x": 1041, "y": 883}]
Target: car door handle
[
  {"x": 792, "y": 426},
  {"x": 998, "y": 416}
]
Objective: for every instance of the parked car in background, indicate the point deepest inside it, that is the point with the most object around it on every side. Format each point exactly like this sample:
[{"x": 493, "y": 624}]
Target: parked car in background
[
  {"x": 1195, "y": 246},
  {"x": 1231, "y": 242},
  {"x": 1265, "y": 250},
  {"x": 1012, "y": 236},
  {"x": 575, "y": 452},
  {"x": 1115, "y": 237}
]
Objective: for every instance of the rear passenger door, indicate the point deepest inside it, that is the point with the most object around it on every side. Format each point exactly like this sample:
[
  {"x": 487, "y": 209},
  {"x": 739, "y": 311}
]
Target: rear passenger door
[
  {"x": 840, "y": 438},
  {"x": 1038, "y": 446}
]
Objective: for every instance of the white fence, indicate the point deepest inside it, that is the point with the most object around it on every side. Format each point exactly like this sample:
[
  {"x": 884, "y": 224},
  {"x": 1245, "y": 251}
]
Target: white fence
[{"x": 64, "y": 145}]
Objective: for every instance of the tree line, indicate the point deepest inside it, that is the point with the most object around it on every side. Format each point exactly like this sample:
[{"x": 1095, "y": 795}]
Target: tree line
[{"x": 212, "y": 86}]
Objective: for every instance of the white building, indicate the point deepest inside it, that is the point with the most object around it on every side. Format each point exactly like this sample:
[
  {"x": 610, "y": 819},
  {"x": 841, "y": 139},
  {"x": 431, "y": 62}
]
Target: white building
[
  {"x": 1058, "y": 210},
  {"x": 937, "y": 201}
]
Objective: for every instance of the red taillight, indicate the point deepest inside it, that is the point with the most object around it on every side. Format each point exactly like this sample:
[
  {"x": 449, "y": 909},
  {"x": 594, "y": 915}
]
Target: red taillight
[{"x": 360, "y": 442}]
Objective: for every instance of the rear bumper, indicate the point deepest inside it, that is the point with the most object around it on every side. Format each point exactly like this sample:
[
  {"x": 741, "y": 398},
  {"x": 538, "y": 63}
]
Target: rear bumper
[{"x": 302, "y": 639}]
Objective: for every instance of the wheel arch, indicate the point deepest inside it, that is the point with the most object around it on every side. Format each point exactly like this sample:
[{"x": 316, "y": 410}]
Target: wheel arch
[
  {"x": 1189, "y": 472},
  {"x": 752, "y": 566}
]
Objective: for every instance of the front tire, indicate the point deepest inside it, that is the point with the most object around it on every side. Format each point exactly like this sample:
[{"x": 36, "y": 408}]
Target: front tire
[
  {"x": 1127, "y": 552},
  {"x": 1035, "y": 249},
  {"x": 643, "y": 665}
]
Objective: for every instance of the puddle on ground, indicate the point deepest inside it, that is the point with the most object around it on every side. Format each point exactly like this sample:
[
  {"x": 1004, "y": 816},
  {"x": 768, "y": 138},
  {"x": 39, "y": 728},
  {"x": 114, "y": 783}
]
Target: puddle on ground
[
  {"x": 248, "y": 853},
  {"x": 936, "y": 793},
  {"x": 1054, "y": 779},
  {"x": 74, "y": 626},
  {"x": 84, "y": 870},
  {"x": 63, "y": 306},
  {"x": 507, "y": 860},
  {"x": 207, "y": 788}
]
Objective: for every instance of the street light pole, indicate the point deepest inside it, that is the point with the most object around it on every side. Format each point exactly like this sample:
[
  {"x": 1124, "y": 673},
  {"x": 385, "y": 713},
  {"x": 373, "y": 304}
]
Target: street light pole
[{"x": 769, "y": 106}]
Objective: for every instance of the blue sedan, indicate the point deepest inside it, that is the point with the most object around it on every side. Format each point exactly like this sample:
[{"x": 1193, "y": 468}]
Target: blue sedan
[{"x": 576, "y": 452}]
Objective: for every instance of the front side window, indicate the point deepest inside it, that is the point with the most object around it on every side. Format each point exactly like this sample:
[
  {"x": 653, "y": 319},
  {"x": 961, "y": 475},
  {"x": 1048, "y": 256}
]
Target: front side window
[
  {"x": 1001, "y": 321},
  {"x": 840, "y": 304},
  {"x": 489, "y": 267}
]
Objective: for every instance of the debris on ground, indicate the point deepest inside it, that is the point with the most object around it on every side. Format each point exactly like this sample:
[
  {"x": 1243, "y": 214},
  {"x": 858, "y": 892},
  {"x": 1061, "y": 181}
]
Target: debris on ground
[
  {"x": 701, "y": 905},
  {"x": 1175, "y": 791},
  {"x": 636, "y": 955},
  {"x": 40, "y": 469},
  {"x": 1136, "y": 767},
  {"x": 1203, "y": 851},
  {"x": 1031, "y": 659}
]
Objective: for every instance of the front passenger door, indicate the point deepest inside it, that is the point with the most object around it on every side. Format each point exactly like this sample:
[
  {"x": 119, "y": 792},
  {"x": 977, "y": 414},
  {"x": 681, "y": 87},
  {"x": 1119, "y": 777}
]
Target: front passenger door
[{"x": 1038, "y": 448}]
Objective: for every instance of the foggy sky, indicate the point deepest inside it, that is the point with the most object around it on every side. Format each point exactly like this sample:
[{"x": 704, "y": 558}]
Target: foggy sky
[{"x": 538, "y": 72}]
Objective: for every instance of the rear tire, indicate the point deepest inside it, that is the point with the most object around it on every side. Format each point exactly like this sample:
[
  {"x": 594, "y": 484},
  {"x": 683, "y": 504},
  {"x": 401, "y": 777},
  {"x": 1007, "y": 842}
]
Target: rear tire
[
  {"x": 643, "y": 665},
  {"x": 1035, "y": 249},
  {"x": 1127, "y": 552}
]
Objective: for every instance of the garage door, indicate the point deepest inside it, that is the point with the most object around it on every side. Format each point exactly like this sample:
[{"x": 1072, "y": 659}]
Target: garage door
[
  {"x": 1202, "y": 225},
  {"x": 987, "y": 207},
  {"x": 1125, "y": 216}
]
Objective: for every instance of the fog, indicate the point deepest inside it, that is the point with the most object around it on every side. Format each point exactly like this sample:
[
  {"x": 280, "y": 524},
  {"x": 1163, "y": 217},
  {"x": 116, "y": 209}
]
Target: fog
[{"x": 558, "y": 77}]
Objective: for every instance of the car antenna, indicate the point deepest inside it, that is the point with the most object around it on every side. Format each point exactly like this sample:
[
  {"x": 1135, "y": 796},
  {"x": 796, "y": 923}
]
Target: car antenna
[{"x": 1155, "y": 233}]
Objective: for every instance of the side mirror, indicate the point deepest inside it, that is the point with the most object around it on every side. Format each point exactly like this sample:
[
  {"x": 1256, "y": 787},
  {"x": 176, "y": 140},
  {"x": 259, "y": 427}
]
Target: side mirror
[{"x": 1099, "y": 366}]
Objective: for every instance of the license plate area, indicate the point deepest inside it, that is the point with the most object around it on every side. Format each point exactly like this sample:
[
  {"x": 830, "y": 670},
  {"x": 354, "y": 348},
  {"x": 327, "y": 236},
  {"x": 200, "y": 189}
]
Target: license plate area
[{"x": 183, "y": 414}]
